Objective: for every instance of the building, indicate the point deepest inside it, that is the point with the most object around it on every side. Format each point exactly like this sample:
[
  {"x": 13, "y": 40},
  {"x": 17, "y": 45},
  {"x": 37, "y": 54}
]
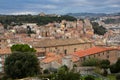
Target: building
[
  {"x": 3, "y": 54},
  {"x": 54, "y": 61},
  {"x": 1, "y": 28},
  {"x": 3, "y": 42},
  {"x": 112, "y": 54},
  {"x": 66, "y": 46}
]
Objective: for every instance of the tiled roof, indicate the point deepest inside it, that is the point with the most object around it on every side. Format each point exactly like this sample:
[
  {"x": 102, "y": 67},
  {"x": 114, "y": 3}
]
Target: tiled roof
[
  {"x": 52, "y": 57},
  {"x": 93, "y": 50},
  {"x": 5, "y": 51},
  {"x": 59, "y": 42}
]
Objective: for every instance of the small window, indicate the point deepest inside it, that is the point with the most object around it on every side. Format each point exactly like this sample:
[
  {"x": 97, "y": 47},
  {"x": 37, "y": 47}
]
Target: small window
[
  {"x": 75, "y": 49},
  {"x": 103, "y": 53},
  {"x": 65, "y": 51},
  {"x": 99, "y": 54}
]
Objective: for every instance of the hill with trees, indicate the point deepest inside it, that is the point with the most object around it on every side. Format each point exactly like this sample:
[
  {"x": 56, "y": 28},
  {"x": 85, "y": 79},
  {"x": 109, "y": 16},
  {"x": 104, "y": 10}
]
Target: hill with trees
[{"x": 40, "y": 20}]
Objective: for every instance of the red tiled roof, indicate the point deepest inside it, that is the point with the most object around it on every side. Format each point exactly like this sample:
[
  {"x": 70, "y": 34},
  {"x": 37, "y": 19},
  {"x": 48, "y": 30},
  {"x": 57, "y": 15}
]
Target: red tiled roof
[
  {"x": 93, "y": 50},
  {"x": 52, "y": 57}
]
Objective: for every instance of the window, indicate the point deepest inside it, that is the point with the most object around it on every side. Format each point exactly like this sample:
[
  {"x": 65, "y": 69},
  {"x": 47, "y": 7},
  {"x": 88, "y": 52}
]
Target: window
[
  {"x": 65, "y": 51},
  {"x": 83, "y": 58},
  {"x": 103, "y": 53},
  {"x": 98, "y": 54},
  {"x": 107, "y": 56},
  {"x": 75, "y": 49}
]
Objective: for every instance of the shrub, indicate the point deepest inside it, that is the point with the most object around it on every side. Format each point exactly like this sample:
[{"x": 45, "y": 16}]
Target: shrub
[
  {"x": 118, "y": 77},
  {"x": 46, "y": 71},
  {"x": 114, "y": 68},
  {"x": 89, "y": 77},
  {"x": 91, "y": 62}
]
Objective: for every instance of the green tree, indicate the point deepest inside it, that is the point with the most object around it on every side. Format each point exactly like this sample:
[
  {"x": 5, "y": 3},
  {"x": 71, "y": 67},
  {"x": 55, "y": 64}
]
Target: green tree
[
  {"x": 115, "y": 68},
  {"x": 91, "y": 62},
  {"x": 89, "y": 77},
  {"x": 25, "y": 48},
  {"x": 100, "y": 30},
  {"x": 21, "y": 63},
  {"x": 105, "y": 64},
  {"x": 65, "y": 74},
  {"x": 118, "y": 64}
]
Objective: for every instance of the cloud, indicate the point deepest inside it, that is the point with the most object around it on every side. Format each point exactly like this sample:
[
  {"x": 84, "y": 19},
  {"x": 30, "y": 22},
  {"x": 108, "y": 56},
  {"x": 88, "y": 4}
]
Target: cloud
[
  {"x": 59, "y": 6},
  {"x": 40, "y": 6},
  {"x": 23, "y": 13}
]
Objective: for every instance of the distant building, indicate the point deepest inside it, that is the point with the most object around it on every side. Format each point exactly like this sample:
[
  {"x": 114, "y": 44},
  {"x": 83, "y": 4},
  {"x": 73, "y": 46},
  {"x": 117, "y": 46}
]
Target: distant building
[
  {"x": 1, "y": 28},
  {"x": 42, "y": 14},
  {"x": 3, "y": 42}
]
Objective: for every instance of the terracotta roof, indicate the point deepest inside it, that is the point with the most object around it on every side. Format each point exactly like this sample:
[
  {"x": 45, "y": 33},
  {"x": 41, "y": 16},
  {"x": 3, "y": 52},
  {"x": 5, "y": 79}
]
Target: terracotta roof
[
  {"x": 52, "y": 57},
  {"x": 74, "y": 58},
  {"x": 93, "y": 50},
  {"x": 5, "y": 51}
]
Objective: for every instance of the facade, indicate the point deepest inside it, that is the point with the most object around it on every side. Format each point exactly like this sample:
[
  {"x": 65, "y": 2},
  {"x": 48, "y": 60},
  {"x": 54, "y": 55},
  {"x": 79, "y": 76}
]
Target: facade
[
  {"x": 1, "y": 28},
  {"x": 3, "y": 54},
  {"x": 66, "y": 46},
  {"x": 112, "y": 54},
  {"x": 3, "y": 42},
  {"x": 54, "y": 61}
]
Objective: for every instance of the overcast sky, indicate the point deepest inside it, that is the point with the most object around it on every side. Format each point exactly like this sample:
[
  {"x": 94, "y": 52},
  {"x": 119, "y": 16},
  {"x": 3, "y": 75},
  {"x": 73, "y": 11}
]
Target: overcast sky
[{"x": 58, "y": 6}]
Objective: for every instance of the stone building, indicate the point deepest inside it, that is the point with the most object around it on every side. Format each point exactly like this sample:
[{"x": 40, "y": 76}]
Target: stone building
[
  {"x": 66, "y": 46},
  {"x": 3, "y": 42},
  {"x": 112, "y": 54}
]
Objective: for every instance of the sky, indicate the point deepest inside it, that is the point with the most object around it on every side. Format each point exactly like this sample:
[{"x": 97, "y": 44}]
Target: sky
[{"x": 16, "y": 7}]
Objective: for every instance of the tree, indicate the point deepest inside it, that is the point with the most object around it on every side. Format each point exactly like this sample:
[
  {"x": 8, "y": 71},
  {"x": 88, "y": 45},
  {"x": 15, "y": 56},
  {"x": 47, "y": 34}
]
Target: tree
[
  {"x": 105, "y": 64},
  {"x": 91, "y": 62},
  {"x": 25, "y": 48},
  {"x": 115, "y": 68},
  {"x": 100, "y": 30},
  {"x": 89, "y": 77},
  {"x": 118, "y": 64},
  {"x": 21, "y": 64},
  {"x": 65, "y": 74}
]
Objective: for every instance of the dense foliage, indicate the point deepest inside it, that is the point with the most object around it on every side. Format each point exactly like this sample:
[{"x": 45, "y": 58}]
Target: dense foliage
[
  {"x": 25, "y": 48},
  {"x": 115, "y": 68},
  {"x": 89, "y": 77},
  {"x": 65, "y": 74},
  {"x": 40, "y": 20},
  {"x": 100, "y": 30},
  {"x": 105, "y": 64},
  {"x": 22, "y": 63},
  {"x": 91, "y": 62}
]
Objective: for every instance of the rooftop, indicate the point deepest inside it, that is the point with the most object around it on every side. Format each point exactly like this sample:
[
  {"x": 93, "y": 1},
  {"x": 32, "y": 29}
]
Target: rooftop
[
  {"x": 59, "y": 42},
  {"x": 93, "y": 50}
]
